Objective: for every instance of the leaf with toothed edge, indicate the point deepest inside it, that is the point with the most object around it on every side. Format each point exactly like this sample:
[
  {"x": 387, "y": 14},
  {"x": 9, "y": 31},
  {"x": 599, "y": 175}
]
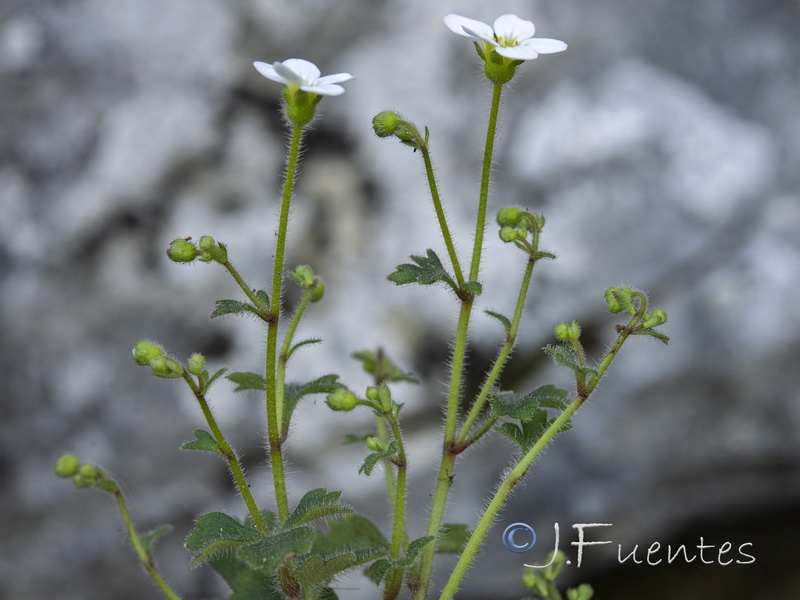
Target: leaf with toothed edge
[{"x": 203, "y": 441}]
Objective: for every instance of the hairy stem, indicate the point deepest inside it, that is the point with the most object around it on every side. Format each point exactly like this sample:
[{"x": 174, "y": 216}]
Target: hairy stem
[
  {"x": 274, "y": 391},
  {"x": 447, "y": 463},
  {"x": 228, "y": 454}
]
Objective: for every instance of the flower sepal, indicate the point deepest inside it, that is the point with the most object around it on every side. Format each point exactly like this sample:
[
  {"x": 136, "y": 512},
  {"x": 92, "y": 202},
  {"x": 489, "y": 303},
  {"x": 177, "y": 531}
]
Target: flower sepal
[{"x": 299, "y": 106}]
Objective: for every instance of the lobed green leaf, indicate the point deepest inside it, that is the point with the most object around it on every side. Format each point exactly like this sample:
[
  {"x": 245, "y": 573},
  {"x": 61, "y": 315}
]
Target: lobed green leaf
[
  {"x": 317, "y": 504},
  {"x": 203, "y": 441},
  {"x": 245, "y": 380}
]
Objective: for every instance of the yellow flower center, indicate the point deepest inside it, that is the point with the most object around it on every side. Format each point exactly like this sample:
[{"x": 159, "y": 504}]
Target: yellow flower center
[{"x": 505, "y": 43}]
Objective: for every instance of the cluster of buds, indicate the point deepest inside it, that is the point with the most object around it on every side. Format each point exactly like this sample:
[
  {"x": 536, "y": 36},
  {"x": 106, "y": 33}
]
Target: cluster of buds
[
  {"x": 388, "y": 123},
  {"x": 83, "y": 475},
  {"x": 516, "y": 224},
  {"x": 622, "y": 298},
  {"x": 183, "y": 250},
  {"x": 305, "y": 278},
  {"x": 146, "y": 353},
  {"x": 568, "y": 332}
]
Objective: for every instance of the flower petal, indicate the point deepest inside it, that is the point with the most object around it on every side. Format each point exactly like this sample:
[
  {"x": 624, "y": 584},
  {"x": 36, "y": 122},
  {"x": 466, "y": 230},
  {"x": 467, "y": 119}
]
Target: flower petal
[
  {"x": 268, "y": 71},
  {"x": 468, "y": 27},
  {"x": 521, "y": 52},
  {"x": 305, "y": 71},
  {"x": 512, "y": 28},
  {"x": 545, "y": 45},
  {"x": 335, "y": 78},
  {"x": 325, "y": 89}
]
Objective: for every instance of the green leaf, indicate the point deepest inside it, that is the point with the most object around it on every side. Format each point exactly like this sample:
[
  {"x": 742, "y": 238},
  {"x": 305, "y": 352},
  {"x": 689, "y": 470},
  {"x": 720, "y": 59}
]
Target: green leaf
[
  {"x": 452, "y": 538},
  {"x": 217, "y": 532},
  {"x": 352, "y": 438},
  {"x": 527, "y": 433},
  {"x": 659, "y": 336},
  {"x": 318, "y": 570},
  {"x": 372, "y": 459},
  {"x": 473, "y": 287},
  {"x": 505, "y": 321},
  {"x": 246, "y": 583},
  {"x": 210, "y": 380},
  {"x": 300, "y": 345},
  {"x": 266, "y": 555},
  {"x": 541, "y": 254},
  {"x": 382, "y": 367},
  {"x": 377, "y": 570},
  {"x": 149, "y": 538},
  {"x": 427, "y": 271},
  {"x": 351, "y": 533},
  {"x": 262, "y": 297},
  {"x": 317, "y": 504},
  {"x": 525, "y": 407},
  {"x": 294, "y": 392},
  {"x": 245, "y": 380},
  {"x": 203, "y": 441},
  {"x": 231, "y": 307},
  {"x": 564, "y": 356}
]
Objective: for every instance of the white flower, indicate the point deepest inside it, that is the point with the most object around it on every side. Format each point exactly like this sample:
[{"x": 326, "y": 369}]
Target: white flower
[
  {"x": 511, "y": 36},
  {"x": 300, "y": 74}
]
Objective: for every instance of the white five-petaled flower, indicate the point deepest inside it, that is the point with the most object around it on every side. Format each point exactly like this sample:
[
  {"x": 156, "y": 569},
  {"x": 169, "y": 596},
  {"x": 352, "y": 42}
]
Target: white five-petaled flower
[
  {"x": 302, "y": 74},
  {"x": 511, "y": 36}
]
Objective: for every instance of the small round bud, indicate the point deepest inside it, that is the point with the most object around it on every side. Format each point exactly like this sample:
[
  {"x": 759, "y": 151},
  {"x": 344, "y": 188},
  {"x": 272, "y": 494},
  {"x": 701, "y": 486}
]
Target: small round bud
[
  {"x": 376, "y": 444},
  {"x": 654, "y": 319},
  {"x": 618, "y": 299},
  {"x": 386, "y": 123},
  {"x": 196, "y": 363},
  {"x": 568, "y": 331},
  {"x": 207, "y": 243},
  {"x": 144, "y": 351},
  {"x": 89, "y": 473},
  {"x": 508, "y": 234},
  {"x": 372, "y": 394},
  {"x": 303, "y": 275},
  {"x": 509, "y": 216},
  {"x": 522, "y": 232},
  {"x": 182, "y": 250},
  {"x": 341, "y": 400},
  {"x": 529, "y": 579},
  {"x": 67, "y": 465},
  {"x": 80, "y": 482},
  {"x": 318, "y": 290},
  {"x": 162, "y": 366}
]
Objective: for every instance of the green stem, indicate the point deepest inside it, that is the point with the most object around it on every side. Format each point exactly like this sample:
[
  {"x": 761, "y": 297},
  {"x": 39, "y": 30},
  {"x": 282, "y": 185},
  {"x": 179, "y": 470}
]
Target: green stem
[
  {"x": 245, "y": 288},
  {"x": 228, "y": 454},
  {"x": 144, "y": 556},
  {"x": 502, "y": 356},
  {"x": 444, "y": 480},
  {"x": 486, "y": 174},
  {"x": 394, "y": 581},
  {"x": 437, "y": 204},
  {"x": 274, "y": 391},
  {"x": 283, "y": 359},
  {"x": 512, "y": 479},
  {"x": 521, "y": 468}
]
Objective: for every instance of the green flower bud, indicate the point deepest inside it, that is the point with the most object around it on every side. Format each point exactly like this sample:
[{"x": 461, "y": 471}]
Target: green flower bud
[
  {"x": 182, "y": 250},
  {"x": 303, "y": 275},
  {"x": 509, "y": 216},
  {"x": 67, "y": 465},
  {"x": 376, "y": 444},
  {"x": 385, "y": 397},
  {"x": 144, "y": 351},
  {"x": 207, "y": 243},
  {"x": 508, "y": 234},
  {"x": 618, "y": 299},
  {"x": 529, "y": 578},
  {"x": 196, "y": 363},
  {"x": 568, "y": 331},
  {"x": 522, "y": 232},
  {"x": 583, "y": 592},
  {"x": 318, "y": 290},
  {"x": 654, "y": 319},
  {"x": 342, "y": 400},
  {"x": 386, "y": 123},
  {"x": 162, "y": 366},
  {"x": 80, "y": 482},
  {"x": 89, "y": 473},
  {"x": 372, "y": 394}
]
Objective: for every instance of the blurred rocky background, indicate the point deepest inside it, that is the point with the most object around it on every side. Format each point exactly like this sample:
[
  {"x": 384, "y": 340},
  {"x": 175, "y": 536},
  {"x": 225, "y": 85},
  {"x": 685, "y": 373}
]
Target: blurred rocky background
[{"x": 662, "y": 147}]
